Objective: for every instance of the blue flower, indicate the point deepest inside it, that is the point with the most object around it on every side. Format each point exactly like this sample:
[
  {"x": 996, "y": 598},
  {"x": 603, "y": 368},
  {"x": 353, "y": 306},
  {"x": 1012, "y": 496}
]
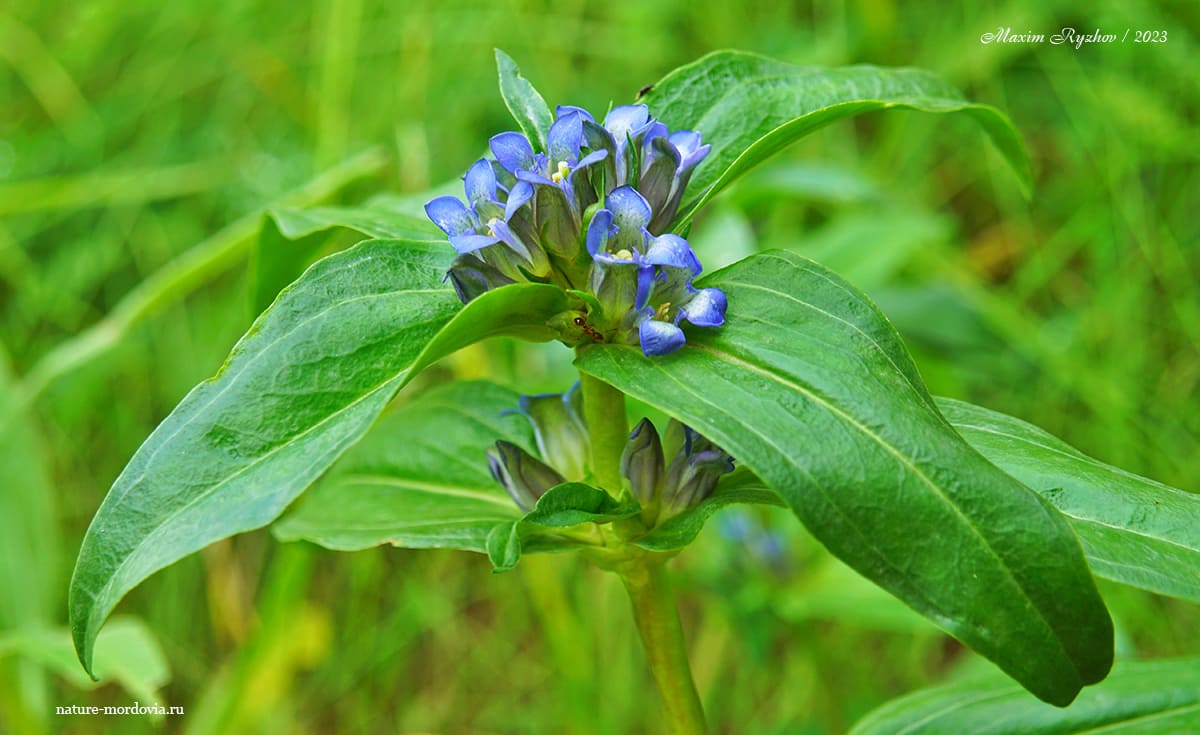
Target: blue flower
[
  {"x": 494, "y": 243},
  {"x": 643, "y": 282},
  {"x": 537, "y": 216}
]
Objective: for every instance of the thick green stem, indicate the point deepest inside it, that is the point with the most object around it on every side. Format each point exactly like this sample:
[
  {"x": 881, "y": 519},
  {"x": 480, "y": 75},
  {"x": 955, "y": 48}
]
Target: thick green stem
[
  {"x": 658, "y": 622},
  {"x": 608, "y": 428}
]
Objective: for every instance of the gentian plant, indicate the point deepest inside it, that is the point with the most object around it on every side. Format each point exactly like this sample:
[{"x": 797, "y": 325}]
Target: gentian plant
[{"x": 781, "y": 384}]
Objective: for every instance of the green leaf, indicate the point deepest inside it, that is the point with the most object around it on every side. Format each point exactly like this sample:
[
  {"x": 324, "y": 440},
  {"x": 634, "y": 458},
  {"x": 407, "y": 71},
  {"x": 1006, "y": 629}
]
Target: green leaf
[
  {"x": 749, "y": 107},
  {"x": 303, "y": 384},
  {"x": 572, "y": 503},
  {"x": 29, "y": 539},
  {"x": 504, "y": 546},
  {"x": 809, "y": 386},
  {"x": 291, "y": 238},
  {"x": 126, "y": 653},
  {"x": 372, "y": 221},
  {"x": 1133, "y": 530},
  {"x": 831, "y": 591},
  {"x": 739, "y": 486},
  {"x": 523, "y": 101},
  {"x": 1138, "y": 698},
  {"x": 419, "y": 479}
]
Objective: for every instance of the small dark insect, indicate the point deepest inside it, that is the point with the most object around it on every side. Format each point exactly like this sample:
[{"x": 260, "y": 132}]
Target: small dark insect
[
  {"x": 588, "y": 330},
  {"x": 643, "y": 91}
]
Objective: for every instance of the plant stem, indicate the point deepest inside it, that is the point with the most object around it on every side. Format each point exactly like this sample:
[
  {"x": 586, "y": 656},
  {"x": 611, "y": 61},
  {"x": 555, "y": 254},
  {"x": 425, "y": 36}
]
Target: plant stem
[
  {"x": 608, "y": 428},
  {"x": 658, "y": 622}
]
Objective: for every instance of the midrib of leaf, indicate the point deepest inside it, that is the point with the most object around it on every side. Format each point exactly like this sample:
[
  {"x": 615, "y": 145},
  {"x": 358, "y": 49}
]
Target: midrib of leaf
[
  {"x": 431, "y": 487},
  {"x": 1090, "y": 461},
  {"x": 1075, "y": 455},
  {"x": 1149, "y": 717},
  {"x": 921, "y": 395},
  {"x": 952, "y": 707},
  {"x": 405, "y": 526},
  {"x": 818, "y": 487},
  {"x": 116, "y": 573},
  {"x": 905, "y": 461},
  {"x": 496, "y": 428}
]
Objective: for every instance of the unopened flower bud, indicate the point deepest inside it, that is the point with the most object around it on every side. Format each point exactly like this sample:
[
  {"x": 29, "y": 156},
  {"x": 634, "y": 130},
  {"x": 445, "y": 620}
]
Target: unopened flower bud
[
  {"x": 559, "y": 429},
  {"x": 525, "y": 477},
  {"x": 642, "y": 462}
]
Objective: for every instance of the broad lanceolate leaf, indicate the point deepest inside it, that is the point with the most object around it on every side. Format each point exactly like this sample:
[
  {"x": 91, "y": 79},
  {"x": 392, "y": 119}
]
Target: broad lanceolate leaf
[
  {"x": 290, "y": 239},
  {"x": 372, "y": 221},
  {"x": 419, "y": 478},
  {"x": 1134, "y": 530},
  {"x": 523, "y": 101},
  {"x": 749, "y": 107},
  {"x": 303, "y": 384},
  {"x": 1139, "y": 698},
  {"x": 126, "y": 652},
  {"x": 809, "y": 386}
]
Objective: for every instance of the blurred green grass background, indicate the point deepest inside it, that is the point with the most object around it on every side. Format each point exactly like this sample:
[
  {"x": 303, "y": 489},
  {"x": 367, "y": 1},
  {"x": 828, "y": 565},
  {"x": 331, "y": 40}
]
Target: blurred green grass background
[{"x": 131, "y": 133}]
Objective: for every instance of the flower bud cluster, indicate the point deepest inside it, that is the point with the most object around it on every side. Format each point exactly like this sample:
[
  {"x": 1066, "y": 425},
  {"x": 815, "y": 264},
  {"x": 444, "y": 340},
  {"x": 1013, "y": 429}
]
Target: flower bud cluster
[
  {"x": 666, "y": 474},
  {"x": 590, "y": 214},
  {"x": 670, "y": 474}
]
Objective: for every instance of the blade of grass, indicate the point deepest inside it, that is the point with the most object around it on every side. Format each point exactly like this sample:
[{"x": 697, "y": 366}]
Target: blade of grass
[{"x": 184, "y": 274}]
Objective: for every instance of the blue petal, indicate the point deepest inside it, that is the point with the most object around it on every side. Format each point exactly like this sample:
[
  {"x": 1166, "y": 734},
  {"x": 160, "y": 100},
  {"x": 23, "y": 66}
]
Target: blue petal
[
  {"x": 645, "y": 286},
  {"x": 656, "y": 130},
  {"x": 691, "y": 152},
  {"x": 589, "y": 159},
  {"x": 534, "y": 178},
  {"x": 505, "y": 233},
  {"x": 605, "y": 258},
  {"x": 627, "y": 121},
  {"x": 513, "y": 151},
  {"x": 706, "y": 309},
  {"x": 480, "y": 182},
  {"x": 450, "y": 215},
  {"x": 674, "y": 251},
  {"x": 471, "y": 242},
  {"x": 564, "y": 139},
  {"x": 599, "y": 231},
  {"x": 660, "y": 338},
  {"x": 521, "y": 193},
  {"x": 685, "y": 141},
  {"x": 564, "y": 110},
  {"x": 630, "y": 209}
]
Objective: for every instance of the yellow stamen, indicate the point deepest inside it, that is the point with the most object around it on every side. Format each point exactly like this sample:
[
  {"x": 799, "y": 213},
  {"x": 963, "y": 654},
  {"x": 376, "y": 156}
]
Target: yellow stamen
[
  {"x": 624, "y": 254},
  {"x": 661, "y": 313},
  {"x": 492, "y": 226},
  {"x": 561, "y": 173}
]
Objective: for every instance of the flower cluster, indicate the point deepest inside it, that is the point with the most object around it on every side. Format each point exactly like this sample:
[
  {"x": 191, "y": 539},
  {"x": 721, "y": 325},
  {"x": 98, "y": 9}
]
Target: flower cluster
[
  {"x": 590, "y": 214},
  {"x": 666, "y": 475}
]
